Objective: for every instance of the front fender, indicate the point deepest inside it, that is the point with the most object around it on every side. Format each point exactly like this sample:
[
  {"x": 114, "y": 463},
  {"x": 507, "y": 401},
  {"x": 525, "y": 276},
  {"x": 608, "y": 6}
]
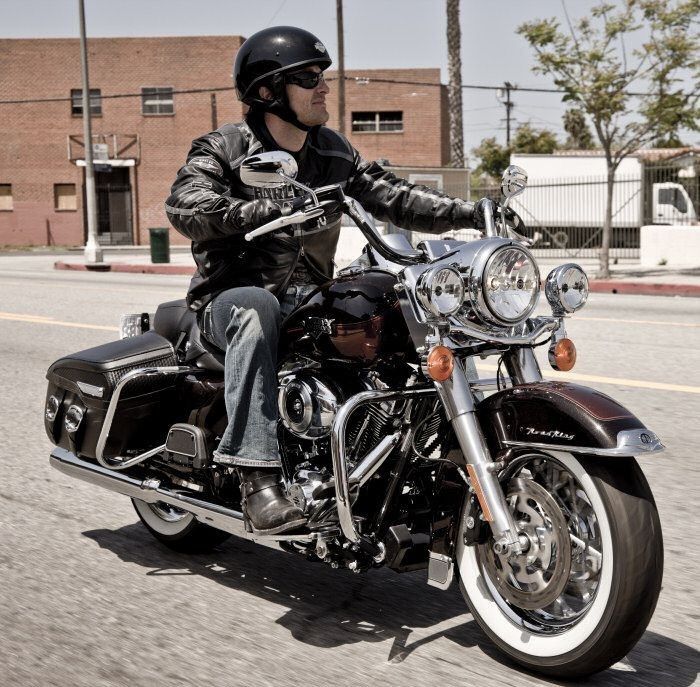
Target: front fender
[{"x": 564, "y": 417}]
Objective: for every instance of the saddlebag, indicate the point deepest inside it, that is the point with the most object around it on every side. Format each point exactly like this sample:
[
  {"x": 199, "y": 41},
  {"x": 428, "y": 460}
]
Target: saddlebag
[{"x": 81, "y": 386}]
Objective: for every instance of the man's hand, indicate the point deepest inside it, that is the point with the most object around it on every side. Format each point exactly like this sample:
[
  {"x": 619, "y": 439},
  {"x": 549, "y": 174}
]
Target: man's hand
[{"x": 253, "y": 214}]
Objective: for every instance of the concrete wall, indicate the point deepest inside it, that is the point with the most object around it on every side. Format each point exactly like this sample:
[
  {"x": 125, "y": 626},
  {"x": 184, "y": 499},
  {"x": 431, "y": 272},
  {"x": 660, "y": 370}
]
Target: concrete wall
[{"x": 670, "y": 245}]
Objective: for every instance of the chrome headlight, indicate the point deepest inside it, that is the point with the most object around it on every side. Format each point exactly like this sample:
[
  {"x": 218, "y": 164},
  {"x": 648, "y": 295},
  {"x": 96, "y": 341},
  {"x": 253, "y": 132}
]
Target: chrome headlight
[
  {"x": 566, "y": 288},
  {"x": 441, "y": 291},
  {"x": 506, "y": 292}
]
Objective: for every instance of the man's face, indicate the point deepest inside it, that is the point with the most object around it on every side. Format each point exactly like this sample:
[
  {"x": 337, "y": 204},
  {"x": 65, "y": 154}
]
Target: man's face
[{"x": 309, "y": 104}]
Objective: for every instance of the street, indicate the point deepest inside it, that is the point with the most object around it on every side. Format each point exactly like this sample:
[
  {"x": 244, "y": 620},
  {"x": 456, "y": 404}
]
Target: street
[{"x": 89, "y": 598}]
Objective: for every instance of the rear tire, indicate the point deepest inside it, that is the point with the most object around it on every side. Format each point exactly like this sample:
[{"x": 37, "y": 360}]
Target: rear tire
[
  {"x": 606, "y": 607},
  {"x": 177, "y": 529}
]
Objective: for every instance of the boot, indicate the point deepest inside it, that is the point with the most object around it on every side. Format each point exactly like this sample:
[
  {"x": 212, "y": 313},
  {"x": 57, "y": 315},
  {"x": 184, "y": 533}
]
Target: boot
[{"x": 267, "y": 508}]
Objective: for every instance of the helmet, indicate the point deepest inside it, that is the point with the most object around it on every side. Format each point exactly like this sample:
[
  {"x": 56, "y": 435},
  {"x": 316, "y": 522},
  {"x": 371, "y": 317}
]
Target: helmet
[{"x": 266, "y": 56}]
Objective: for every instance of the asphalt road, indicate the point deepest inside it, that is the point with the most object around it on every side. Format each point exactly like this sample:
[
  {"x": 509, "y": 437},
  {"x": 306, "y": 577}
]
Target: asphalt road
[{"x": 89, "y": 598}]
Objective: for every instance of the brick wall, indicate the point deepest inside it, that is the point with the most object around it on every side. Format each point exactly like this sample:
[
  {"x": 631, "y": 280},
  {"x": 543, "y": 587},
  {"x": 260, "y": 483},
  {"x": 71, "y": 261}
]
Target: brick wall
[{"x": 34, "y": 156}]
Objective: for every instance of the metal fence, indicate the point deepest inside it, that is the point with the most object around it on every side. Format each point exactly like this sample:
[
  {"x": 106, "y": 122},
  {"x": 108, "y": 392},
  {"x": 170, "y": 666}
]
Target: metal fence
[{"x": 565, "y": 217}]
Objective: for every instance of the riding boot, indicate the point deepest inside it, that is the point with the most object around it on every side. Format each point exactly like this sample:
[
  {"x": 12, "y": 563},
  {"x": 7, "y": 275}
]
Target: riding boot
[{"x": 265, "y": 503}]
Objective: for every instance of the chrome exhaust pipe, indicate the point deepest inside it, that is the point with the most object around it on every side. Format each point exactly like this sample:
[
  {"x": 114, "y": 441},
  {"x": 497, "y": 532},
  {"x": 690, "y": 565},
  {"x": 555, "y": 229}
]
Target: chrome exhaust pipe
[{"x": 151, "y": 491}]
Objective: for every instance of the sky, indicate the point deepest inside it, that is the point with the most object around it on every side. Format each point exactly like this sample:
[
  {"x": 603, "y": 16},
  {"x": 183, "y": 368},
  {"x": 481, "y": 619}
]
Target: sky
[{"x": 378, "y": 34}]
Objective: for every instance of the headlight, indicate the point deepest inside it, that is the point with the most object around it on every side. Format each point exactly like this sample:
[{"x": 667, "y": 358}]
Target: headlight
[
  {"x": 507, "y": 290},
  {"x": 441, "y": 291},
  {"x": 566, "y": 288}
]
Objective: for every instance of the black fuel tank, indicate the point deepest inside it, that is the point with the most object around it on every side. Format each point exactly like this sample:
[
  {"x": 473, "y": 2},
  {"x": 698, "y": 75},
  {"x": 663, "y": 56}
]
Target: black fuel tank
[{"x": 355, "y": 317}]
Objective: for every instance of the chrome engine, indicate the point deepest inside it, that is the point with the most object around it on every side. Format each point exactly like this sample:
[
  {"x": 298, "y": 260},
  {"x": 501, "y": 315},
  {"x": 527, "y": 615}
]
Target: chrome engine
[{"x": 308, "y": 402}]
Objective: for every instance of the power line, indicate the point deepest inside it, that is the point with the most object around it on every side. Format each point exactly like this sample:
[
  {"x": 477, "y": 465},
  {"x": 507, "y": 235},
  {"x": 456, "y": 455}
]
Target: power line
[{"x": 357, "y": 79}]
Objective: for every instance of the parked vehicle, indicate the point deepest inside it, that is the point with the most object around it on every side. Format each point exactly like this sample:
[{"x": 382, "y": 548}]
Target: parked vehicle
[
  {"x": 397, "y": 453},
  {"x": 568, "y": 192}
]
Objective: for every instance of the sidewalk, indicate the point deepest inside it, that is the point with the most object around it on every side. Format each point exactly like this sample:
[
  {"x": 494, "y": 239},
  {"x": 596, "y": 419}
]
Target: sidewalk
[{"x": 627, "y": 277}]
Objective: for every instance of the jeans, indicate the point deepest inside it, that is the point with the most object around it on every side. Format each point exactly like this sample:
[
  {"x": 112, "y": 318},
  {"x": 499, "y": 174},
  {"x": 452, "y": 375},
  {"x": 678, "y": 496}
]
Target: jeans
[{"x": 245, "y": 322}]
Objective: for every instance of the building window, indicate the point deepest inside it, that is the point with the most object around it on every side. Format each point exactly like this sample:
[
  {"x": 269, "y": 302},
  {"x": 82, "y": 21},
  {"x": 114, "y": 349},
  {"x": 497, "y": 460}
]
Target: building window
[
  {"x": 5, "y": 197},
  {"x": 157, "y": 101},
  {"x": 377, "y": 122},
  {"x": 64, "y": 197},
  {"x": 76, "y": 102}
]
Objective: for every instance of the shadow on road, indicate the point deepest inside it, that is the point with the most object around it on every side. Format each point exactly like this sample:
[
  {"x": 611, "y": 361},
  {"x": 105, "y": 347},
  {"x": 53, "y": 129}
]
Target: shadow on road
[{"x": 329, "y": 608}]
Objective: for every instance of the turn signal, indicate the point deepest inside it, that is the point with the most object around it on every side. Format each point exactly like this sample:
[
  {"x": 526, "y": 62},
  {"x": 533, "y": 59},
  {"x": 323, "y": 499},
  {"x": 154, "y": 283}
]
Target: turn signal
[
  {"x": 440, "y": 363},
  {"x": 562, "y": 355}
]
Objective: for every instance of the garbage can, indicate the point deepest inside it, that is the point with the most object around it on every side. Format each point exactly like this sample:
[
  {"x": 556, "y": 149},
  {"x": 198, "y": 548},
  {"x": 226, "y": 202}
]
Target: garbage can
[{"x": 160, "y": 244}]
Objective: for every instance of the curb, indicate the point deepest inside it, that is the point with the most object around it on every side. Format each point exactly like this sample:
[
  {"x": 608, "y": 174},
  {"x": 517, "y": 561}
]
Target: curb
[
  {"x": 123, "y": 267},
  {"x": 596, "y": 285},
  {"x": 644, "y": 288}
]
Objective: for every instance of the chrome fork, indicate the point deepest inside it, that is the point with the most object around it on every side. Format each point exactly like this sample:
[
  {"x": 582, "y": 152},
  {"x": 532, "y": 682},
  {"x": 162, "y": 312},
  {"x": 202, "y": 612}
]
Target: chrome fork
[{"x": 458, "y": 400}]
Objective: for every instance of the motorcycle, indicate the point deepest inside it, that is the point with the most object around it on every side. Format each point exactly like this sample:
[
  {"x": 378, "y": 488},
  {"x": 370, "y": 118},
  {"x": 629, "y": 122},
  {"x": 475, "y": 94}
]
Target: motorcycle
[{"x": 398, "y": 453}]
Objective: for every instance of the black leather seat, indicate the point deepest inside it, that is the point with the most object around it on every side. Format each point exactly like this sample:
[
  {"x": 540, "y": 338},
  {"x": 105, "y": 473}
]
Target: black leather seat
[{"x": 177, "y": 323}]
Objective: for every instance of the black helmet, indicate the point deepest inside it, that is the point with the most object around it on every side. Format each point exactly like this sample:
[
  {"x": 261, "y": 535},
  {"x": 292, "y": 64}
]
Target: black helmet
[{"x": 266, "y": 56}]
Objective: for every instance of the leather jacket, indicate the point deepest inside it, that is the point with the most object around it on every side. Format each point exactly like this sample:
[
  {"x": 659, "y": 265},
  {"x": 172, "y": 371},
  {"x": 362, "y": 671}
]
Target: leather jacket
[{"x": 208, "y": 193}]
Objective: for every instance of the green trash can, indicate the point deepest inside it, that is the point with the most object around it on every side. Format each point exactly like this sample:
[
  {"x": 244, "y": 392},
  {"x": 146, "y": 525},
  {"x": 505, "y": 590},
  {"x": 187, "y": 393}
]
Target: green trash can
[{"x": 160, "y": 244}]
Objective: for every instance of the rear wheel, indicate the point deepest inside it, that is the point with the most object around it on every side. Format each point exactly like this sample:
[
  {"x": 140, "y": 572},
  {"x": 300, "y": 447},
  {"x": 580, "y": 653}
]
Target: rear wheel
[
  {"x": 583, "y": 593},
  {"x": 177, "y": 529}
]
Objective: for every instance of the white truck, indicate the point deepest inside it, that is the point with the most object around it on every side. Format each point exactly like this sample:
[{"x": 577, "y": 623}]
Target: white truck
[{"x": 566, "y": 197}]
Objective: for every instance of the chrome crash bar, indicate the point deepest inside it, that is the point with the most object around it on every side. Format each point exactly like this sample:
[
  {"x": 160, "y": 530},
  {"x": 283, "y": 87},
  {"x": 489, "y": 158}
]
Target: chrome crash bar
[
  {"x": 340, "y": 470},
  {"x": 120, "y": 462}
]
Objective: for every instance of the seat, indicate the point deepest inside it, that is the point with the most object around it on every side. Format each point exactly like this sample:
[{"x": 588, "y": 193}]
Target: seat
[{"x": 176, "y": 322}]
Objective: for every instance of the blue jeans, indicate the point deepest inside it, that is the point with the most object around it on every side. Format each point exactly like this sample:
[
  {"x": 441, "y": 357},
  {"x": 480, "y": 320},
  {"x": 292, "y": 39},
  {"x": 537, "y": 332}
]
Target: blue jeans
[{"x": 245, "y": 323}]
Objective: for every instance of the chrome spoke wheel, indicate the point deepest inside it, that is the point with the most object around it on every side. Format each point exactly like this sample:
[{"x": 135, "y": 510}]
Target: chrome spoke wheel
[
  {"x": 536, "y": 578},
  {"x": 167, "y": 512},
  {"x": 550, "y": 586}
]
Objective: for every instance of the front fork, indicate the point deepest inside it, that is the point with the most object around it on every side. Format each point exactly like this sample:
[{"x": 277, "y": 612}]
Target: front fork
[{"x": 458, "y": 400}]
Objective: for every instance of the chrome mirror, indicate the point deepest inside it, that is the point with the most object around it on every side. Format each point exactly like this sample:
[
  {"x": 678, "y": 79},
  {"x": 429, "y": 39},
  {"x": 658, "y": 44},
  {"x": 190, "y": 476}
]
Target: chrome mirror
[
  {"x": 513, "y": 182},
  {"x": 268, "y": 170}
]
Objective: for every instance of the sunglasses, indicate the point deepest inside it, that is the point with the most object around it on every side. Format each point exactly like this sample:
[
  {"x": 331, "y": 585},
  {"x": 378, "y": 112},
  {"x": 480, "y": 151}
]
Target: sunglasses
[{"x": 307, "y": 80}]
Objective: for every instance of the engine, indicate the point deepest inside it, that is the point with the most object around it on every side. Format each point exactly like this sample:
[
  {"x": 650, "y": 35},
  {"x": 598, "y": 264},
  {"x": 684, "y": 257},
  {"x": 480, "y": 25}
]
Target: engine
[{"x": 308, "y": 401}]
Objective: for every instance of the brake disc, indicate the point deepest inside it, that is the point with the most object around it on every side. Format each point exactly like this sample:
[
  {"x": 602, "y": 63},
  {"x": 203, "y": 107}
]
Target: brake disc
[{"x": 536, "y": 578}]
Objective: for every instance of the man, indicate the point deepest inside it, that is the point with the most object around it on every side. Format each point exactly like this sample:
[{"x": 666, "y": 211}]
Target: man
[{"x": 241, "y": 290}]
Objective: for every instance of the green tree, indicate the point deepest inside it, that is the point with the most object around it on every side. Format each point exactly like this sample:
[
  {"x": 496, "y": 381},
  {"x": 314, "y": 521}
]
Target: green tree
[
  {"x": 527, "y": 139},
  {"x": 579, "y": 135},
  {"x": 591, "y": 64},
  {"x": 494, "y": 157}
]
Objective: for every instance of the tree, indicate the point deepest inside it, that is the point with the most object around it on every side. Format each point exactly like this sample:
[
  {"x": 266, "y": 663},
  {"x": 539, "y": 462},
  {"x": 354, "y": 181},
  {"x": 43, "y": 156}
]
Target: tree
[
  {"x": 454, "y": 89},
  {"x": 575, "y": 125},
  {"x": 494, "y": 157},
  {"x": 591, "y": 64},
  {"x": 530, "y": 140}
]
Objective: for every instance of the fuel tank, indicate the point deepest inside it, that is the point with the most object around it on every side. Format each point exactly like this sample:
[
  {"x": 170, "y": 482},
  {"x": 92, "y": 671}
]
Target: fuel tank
[{"x": 356, "y": 317}]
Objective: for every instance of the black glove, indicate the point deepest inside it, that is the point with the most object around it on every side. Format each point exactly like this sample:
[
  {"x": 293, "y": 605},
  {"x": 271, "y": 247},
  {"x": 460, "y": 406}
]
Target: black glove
[
  {"x": 479, "y": 212},
  {"x": 513, "y": 220},
  {"x": 249, "y": 215}
]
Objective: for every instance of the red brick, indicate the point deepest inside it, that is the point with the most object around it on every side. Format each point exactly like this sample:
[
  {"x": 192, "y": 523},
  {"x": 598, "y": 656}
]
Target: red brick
[{"x": 34, "y": 156}]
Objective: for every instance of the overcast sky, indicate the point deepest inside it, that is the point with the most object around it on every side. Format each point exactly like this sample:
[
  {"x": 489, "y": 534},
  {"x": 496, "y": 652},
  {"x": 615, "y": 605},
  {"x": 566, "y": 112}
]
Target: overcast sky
[{"x": 378, "y": 33}]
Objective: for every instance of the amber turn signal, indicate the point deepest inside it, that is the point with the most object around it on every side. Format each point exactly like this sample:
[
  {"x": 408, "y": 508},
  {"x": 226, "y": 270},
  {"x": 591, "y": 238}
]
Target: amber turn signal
[
  {"x": 562, "y": 355},
  {"x": 440, "y": 363}
]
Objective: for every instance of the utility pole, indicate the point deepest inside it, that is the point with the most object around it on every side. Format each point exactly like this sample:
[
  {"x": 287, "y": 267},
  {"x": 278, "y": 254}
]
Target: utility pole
[
  {"x": 508, "y": 87},
  {"x": 93, "y": 251},
  {"x": 214, "y": 115},
  {"x": 341, "y": 66}
]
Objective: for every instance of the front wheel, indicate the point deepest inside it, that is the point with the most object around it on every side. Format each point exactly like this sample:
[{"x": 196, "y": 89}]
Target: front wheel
[
  {"x": 177, "y": 529},
  {"x": 583, "y": 593}
]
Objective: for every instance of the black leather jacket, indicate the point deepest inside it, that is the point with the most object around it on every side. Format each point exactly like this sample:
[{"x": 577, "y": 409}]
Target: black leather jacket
[{"x": 208, "y": 190}]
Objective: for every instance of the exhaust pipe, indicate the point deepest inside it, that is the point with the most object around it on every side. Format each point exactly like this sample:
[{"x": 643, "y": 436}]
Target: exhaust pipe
[{"x": 150, "y": 491}]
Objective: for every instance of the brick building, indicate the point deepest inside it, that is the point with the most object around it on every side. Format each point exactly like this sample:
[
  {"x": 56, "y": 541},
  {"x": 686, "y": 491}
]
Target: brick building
[{"x": 145, "y": 135}]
